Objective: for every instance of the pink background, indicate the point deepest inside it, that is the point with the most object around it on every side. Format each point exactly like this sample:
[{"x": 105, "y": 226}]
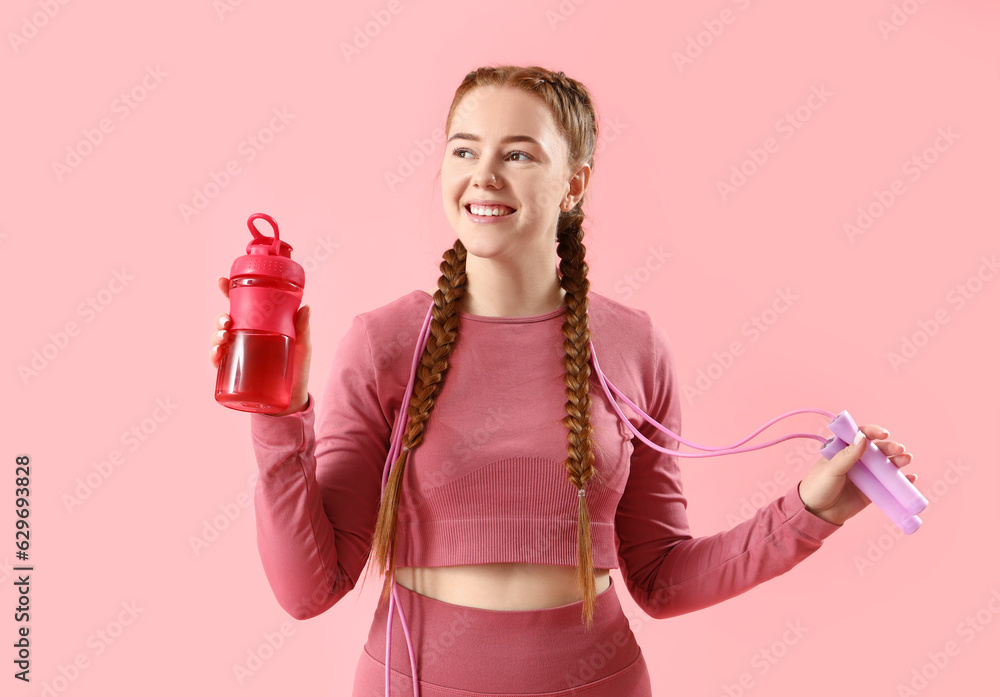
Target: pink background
[{"x": 872, "y": 606}]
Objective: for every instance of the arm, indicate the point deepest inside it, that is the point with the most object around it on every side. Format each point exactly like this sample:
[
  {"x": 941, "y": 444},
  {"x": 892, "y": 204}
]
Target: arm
[
  {"x": 666, "y": 570},
  {"x": 318, "y": 490}
]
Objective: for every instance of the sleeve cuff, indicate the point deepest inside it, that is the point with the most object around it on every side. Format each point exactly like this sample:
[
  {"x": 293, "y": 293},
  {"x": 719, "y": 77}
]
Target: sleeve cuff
[{"x": 279, "y": 431}]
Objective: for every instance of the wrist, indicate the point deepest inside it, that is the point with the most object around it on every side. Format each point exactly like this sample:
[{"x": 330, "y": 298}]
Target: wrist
[
  {"x": 293, "y": 408},
  {"x": 822, "y": 515}
]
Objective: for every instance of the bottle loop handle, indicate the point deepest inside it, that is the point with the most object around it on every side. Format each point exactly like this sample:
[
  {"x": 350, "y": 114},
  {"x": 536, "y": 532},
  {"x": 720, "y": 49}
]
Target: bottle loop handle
[{"x": 259, "y": 238}]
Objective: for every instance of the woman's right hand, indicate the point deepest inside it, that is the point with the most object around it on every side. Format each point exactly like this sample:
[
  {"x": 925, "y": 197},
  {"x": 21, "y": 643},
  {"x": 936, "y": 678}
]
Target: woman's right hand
[{"x": 300, "y": 361}]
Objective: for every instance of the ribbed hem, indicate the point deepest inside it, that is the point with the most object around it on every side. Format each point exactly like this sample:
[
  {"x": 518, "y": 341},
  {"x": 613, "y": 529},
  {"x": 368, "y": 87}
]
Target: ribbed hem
[{"x": 501, "y": 540}]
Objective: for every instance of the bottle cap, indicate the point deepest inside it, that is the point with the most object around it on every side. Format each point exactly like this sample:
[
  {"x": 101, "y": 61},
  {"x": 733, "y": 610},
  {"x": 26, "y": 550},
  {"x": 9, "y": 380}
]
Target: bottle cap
[{"x": 268, "y": 256}]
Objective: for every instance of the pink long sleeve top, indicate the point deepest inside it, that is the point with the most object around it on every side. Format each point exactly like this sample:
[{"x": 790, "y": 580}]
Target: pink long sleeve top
[{"x": 488, "y": 483}]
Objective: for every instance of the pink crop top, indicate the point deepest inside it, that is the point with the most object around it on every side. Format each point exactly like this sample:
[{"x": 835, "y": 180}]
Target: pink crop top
[{"x": 487, "y": 483}]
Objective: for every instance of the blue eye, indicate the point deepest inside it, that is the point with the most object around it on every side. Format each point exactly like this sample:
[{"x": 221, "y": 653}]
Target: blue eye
[{"x": 456, "y": 152}]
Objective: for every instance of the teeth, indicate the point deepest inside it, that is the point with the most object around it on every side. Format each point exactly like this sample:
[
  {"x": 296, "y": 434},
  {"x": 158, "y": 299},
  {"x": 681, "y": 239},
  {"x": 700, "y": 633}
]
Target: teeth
[{"x": 481, "y": 210}]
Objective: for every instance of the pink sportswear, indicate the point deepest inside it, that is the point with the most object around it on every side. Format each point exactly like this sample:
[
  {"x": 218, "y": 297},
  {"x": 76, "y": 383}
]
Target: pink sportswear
[{"x": 487, "y": 483}]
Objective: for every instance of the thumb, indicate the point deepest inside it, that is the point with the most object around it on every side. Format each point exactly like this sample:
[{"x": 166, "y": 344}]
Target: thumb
[{"x": 845, "y": 459}]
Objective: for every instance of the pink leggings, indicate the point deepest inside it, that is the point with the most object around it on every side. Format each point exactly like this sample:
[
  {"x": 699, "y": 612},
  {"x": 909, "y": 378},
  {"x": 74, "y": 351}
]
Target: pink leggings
[{"x": 466, "y": 651}]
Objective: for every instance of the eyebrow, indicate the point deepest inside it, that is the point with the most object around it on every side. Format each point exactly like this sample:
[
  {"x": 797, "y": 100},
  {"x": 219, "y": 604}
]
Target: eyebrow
[{"x": 507, "y": 139}]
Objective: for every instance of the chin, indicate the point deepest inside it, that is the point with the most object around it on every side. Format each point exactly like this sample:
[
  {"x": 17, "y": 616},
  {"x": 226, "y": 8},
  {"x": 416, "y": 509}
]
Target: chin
[{"x": 478, "y": 247}]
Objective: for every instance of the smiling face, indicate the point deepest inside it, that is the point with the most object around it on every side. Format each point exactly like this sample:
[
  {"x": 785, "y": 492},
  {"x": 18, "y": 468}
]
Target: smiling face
[{"x": 511, "y": 135}]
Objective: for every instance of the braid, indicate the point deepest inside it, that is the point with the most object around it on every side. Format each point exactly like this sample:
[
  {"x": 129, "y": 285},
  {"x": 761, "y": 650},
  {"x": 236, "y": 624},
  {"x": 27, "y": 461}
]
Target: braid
[
  {"x": 429, "y": 379},
  {"x": 576, "y": 329}
]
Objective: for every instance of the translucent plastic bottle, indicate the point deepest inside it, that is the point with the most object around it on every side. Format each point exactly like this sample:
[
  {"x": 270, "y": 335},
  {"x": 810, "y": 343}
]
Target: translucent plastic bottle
[{"x": 265, "y": 290}]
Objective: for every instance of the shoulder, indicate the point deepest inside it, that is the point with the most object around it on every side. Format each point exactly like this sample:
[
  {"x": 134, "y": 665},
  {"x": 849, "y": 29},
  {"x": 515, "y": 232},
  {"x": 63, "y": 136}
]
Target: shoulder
[
  {"x": 402, "y": 309},
  {"x": 617, "y": 320},
  {"x": 629, "y": 336},
  {"x": 392, "y": 329},
  {"x": 610, "y": 309}
]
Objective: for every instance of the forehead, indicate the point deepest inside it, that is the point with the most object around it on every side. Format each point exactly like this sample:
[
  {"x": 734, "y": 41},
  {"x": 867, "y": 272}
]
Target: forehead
[{"x": 494, "y": 112}]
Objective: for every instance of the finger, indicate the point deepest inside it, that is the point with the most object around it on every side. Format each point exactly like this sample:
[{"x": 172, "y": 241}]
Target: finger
[
  {"x": 890, "y": 447},
  {"x": 901, "y": 460},
  {"x": 223, "y": 321},
  {"x": 874, "y": 432},
  {"x": 215, "y": 355},
  {"x": 224, "y": 285}
]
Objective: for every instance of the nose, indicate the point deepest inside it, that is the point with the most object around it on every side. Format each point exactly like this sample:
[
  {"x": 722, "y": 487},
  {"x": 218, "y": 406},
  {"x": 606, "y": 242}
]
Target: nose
[{"x": 486, "y": 176}]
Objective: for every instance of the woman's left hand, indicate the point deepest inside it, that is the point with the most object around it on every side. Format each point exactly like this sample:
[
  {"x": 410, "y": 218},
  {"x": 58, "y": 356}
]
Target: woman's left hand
[{"x": 826, "y": 490}]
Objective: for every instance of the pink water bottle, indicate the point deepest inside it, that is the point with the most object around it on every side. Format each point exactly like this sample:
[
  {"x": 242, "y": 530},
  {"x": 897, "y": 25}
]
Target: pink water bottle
[{"x": 265, "y": 289}]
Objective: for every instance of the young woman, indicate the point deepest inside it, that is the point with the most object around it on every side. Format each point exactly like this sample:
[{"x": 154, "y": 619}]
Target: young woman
[{"x": 517, "y": 488}]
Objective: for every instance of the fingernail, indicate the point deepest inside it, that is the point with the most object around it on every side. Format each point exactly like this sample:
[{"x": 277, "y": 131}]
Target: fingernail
[
  {"x": 221, "y": 334},
  {"x": 858, "y": 438}
]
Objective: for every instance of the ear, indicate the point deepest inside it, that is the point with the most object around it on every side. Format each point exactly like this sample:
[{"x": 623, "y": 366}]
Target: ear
[{"x": 577, "y": 186}]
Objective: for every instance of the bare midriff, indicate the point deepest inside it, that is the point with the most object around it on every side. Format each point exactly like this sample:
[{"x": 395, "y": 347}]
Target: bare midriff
[{"x": 499, "y": 586}]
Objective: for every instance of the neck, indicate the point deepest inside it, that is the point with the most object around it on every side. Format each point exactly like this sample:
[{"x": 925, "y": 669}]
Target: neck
[{"x": 497, "y": 290}]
